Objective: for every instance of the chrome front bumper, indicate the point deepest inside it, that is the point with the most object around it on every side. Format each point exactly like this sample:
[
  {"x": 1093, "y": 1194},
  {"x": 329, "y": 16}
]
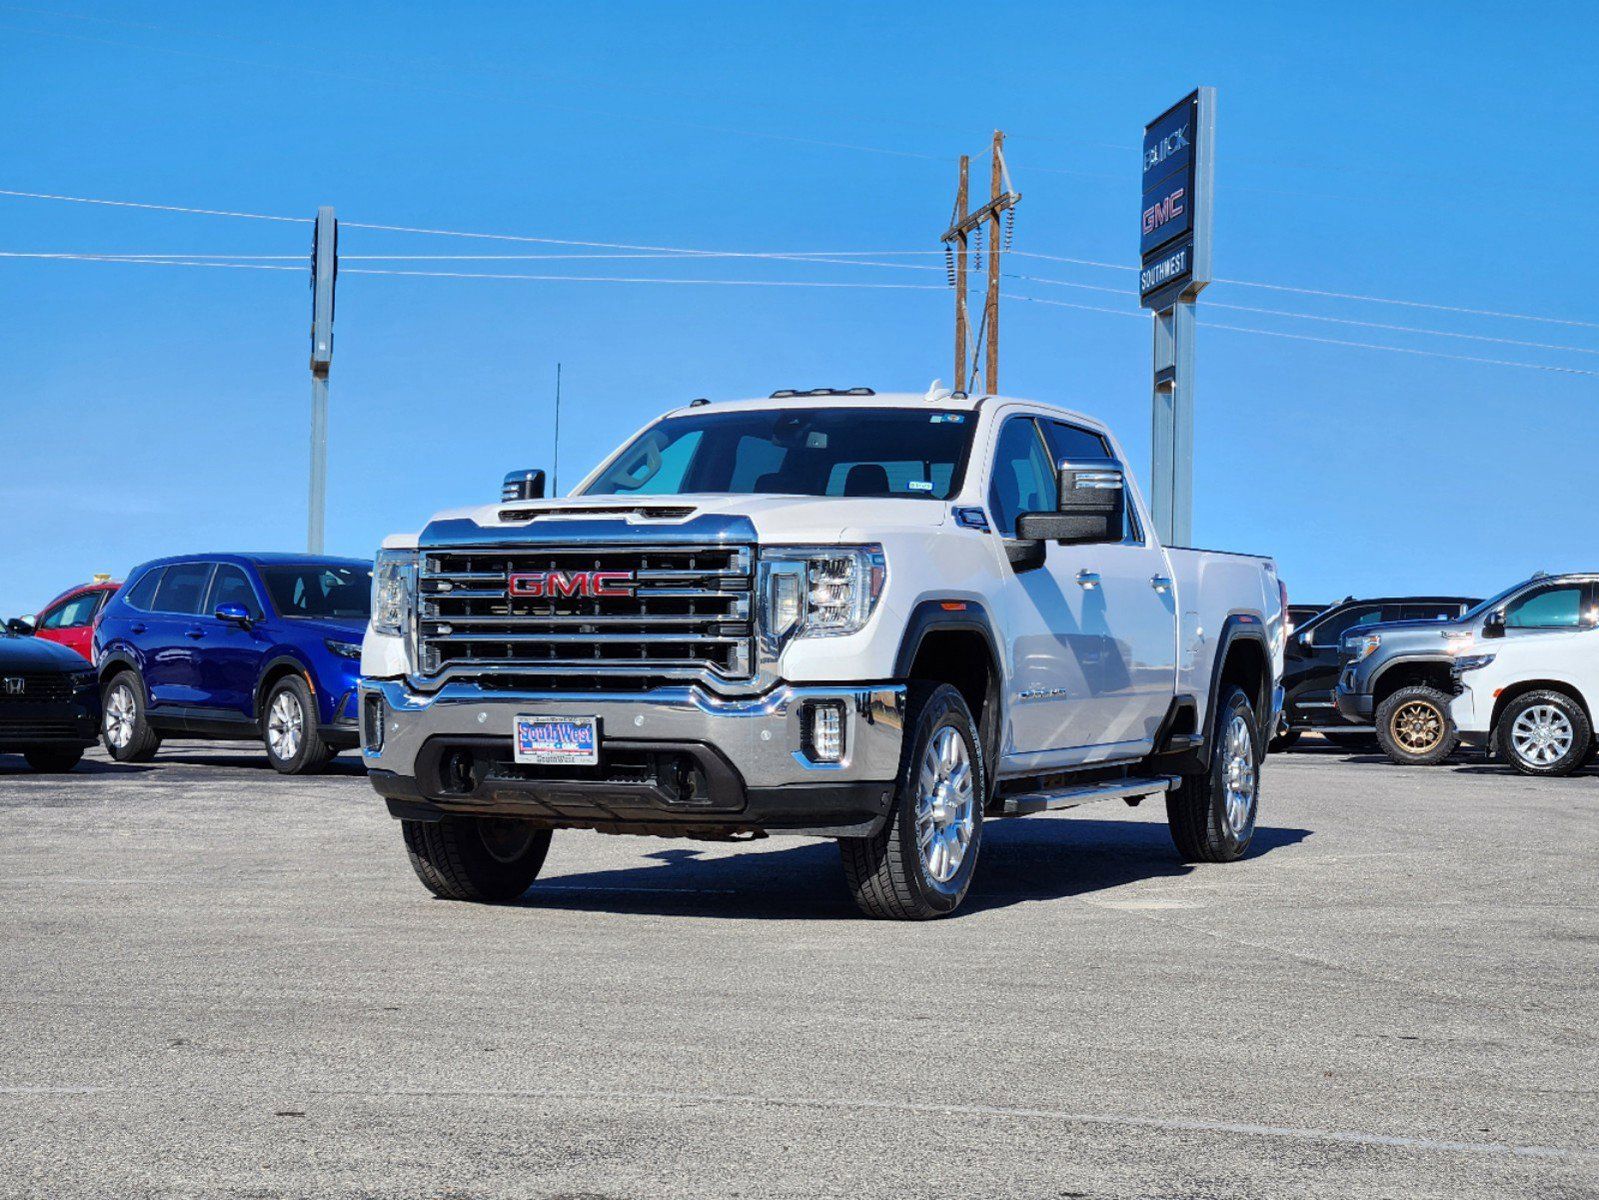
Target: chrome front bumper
[{"x": 761, "y": 738}]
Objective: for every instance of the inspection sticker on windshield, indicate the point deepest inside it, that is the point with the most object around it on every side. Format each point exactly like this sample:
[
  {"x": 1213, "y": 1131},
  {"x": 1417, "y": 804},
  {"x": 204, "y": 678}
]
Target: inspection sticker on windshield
[{"x": 558, "y": 741}]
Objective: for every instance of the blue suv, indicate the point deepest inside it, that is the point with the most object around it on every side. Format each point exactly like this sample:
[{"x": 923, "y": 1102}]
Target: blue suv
[{"x": 235, "y": 646}]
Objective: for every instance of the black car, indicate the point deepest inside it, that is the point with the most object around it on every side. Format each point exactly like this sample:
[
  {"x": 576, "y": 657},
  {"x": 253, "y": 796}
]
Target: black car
[
  {"x": 1300, "y": 615},
  {"x": 49, "y": 702},
  {"x": 1312, "y": 661}
]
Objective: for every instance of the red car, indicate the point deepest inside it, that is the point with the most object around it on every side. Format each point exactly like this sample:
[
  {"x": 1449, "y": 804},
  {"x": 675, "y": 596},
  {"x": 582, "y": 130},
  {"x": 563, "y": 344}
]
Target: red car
[{"x": 69, "y": 618}]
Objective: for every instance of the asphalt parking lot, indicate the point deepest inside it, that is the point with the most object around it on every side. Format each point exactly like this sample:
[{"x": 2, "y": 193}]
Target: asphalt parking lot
[{"x": 216, "y": 981}]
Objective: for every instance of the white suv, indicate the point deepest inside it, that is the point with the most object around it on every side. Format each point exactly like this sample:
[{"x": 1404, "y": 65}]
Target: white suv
[{"x": 1529, "y": 686}]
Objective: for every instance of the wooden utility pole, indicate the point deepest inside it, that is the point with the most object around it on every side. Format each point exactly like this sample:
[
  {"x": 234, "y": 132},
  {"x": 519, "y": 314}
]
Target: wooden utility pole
[
  {"x": 961, "y": 205},
  {"x": 1001, "y": 199},
  {"x": 991, "y": 307}
]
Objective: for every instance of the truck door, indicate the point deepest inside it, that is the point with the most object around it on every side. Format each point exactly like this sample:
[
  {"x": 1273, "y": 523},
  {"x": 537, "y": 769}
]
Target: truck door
[{"x": 1129, "y": 611}]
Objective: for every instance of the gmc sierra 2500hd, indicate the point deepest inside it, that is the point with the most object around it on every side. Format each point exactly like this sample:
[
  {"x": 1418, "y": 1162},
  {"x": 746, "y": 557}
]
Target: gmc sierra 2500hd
[{"x": 880, "y": 619}]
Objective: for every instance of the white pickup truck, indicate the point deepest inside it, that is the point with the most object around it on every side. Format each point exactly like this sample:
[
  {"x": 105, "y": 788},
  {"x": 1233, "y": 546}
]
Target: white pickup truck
[{"x": 876, "y": 618}]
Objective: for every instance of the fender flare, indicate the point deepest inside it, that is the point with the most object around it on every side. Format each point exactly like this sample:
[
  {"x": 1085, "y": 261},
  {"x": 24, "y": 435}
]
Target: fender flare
[
  {"x": 1238, "y": 627},
  {"x": 118, "y": 659},
  {"x": 930, "y": 616},
  {"x": 283, "y": 659},
  {"x": 1403, "y": 660}
]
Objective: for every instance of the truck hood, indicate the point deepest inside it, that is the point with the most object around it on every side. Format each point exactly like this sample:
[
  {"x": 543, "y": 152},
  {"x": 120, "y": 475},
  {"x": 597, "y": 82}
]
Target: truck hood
[
  {"x": 764, "y": 518},
  {"x": 1411, "y": 631}
]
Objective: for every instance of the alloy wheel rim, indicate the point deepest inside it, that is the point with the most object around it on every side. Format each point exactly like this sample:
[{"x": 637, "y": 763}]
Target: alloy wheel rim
[
  {"x": 1240, "y": 776},
  {"x": 285, "y": 726},
  {"x": 119, "y": 712},
  {"x": 946, "y": 808},
  {"x": 1542, "y": 734},
  {"x": 1417, "y": 726}
]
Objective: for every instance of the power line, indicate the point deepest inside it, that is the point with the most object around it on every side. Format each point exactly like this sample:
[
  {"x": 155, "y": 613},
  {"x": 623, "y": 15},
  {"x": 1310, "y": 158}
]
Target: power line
[{"x": 175, "y": 208}]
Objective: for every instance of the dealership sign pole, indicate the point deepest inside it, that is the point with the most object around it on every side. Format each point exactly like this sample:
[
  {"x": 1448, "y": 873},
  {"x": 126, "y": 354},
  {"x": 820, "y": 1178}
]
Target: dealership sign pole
[
  {"x": 324, "y": 272},
  {"x": 1174, "y": 246}
]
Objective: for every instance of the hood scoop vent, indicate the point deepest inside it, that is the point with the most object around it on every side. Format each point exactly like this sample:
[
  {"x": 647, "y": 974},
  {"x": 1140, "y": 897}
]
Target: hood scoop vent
[{"x": 651, "y": 512}]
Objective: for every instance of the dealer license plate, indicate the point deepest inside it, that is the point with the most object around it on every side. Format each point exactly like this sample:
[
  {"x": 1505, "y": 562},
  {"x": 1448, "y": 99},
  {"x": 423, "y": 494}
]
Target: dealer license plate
[{"x": 557, "y": 741}]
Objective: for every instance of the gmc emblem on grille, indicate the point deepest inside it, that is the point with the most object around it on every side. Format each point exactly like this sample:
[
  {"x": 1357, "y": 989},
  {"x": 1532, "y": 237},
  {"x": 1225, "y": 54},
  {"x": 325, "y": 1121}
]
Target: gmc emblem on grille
[
  {"x": 15, "y": 685},
  {"x": 548, "y": 584}
]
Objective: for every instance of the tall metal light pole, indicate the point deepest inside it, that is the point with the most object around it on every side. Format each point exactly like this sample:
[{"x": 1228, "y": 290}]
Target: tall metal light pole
[
  {"x": 324, "y": 274},
  {"x": 1174, "y": 245}
]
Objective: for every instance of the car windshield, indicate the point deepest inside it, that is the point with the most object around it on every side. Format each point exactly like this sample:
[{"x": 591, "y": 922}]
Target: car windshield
[
  {"x": 320, "y": 590},
  {"x": 1494, "y": 601},
  {"x": 914, "y": 453}
]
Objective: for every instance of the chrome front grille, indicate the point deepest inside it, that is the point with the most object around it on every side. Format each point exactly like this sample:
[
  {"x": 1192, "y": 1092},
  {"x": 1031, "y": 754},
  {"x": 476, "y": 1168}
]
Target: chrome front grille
[{"x": 681, "y": 612}]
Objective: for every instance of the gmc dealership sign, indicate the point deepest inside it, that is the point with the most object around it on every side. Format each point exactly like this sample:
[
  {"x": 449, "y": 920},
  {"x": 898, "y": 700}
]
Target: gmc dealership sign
[{"x": 1174, "y": 214}]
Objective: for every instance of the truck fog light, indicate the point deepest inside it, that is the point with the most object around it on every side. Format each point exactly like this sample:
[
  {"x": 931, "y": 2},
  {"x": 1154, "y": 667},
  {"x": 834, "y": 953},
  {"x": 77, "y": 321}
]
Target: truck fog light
[{"x": 825, "y": 731}]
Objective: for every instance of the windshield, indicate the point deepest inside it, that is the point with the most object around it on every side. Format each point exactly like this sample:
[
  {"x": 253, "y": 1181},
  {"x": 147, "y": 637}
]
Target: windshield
[
  {"x": 1494, "y": 601},
  {"x": 319, "y": 590},
  {"x": 915, "y": 453}
]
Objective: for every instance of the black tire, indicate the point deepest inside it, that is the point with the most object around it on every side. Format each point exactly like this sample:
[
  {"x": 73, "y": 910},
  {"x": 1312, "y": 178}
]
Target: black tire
[
  {"x": 290, "y": 713},
  {"x": 1202, "y": 828},
  {"x": 53, "y": 760},
  {"x": 888, "y": 875},
  {"x": 123, "y": 717},
  {"x": 1414, "y": 727},
  {"x": 1529, "y": 760},
  {"x": 491, "y": 860},
  {"x": 1284, "y": 741}
]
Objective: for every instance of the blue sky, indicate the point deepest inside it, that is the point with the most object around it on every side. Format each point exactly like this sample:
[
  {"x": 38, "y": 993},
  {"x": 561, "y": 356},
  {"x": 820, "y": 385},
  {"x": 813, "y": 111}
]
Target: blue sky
[{"x": 1432, "y": 153}]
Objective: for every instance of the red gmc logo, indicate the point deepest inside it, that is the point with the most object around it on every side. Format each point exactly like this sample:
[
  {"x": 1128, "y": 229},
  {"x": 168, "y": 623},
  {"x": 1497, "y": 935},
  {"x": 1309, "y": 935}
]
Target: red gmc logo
[
  {"x": 1168, "y": 209},
  {"x": 549, "y": 584}
]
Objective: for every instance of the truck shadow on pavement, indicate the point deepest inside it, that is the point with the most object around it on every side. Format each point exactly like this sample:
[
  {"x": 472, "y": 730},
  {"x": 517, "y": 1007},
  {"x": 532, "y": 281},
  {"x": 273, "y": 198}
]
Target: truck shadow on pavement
[{"x": 1040, "y": 858}]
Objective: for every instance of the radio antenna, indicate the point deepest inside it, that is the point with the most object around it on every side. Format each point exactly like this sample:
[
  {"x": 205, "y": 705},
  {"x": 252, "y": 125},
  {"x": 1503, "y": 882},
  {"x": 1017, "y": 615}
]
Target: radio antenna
[{"x": 555, "y": 472}]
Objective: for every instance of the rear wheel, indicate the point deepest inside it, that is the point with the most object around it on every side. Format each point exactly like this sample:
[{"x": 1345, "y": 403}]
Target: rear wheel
[
  {"x": 53, "y": 760},
  {"x": 921, "y": 862},
  {"x": 1414, "y": 727},
  {"x": 487, "y": 859},
  {"x": 293, "y": 742},
  {"x": 124, "y": 729},
  {"x": 1212, "y": 812},
  {"x": 1544, "y": 733}
]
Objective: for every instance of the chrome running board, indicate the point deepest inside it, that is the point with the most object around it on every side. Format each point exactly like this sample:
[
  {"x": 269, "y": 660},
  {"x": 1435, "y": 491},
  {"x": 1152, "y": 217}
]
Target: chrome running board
[{"x": 1111, "y": 789}]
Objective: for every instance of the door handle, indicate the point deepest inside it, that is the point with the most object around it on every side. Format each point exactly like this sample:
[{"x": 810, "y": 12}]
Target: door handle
[
  {"x": 139, "y": 628},
  {"x": 196, "y": 634},
  {"x": 1088, "y": 580},
  {"x": 1161, "y": 583}
]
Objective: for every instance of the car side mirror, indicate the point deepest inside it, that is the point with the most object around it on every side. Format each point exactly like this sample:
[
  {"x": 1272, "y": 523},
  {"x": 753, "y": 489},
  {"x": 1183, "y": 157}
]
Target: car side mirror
[
  {"x": 523, "y": 485},
  {"x": 21, "y": 626},
  {"x": 1493, "y": 625},
  {"x": 234, "y": 614},
  {"x": 1303, "y": 642},
  {"x": 1092, "y": 506}
]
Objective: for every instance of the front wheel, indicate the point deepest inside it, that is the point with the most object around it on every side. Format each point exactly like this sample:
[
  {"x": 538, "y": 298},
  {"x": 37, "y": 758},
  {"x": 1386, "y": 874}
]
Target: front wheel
[
  {"x": 1414, "y": 727},
  {"x": 1544, "y": 733},
  {"x": 1212, "y": 812},
  {"x": 488, "y": 859},
  {"x": 921, "y": 862},
  {"x": 294, "y": 744},
  {"x": 124, "y": 728}
]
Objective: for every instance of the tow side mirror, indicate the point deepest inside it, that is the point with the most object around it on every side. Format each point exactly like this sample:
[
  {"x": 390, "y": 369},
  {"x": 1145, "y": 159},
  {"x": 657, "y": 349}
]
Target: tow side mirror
[
  {"x": 233, "y": 614},
  {"x": 523, "y": 485},
  {"x": 1493, "y": 625},
  {"x": 1025, "y": 554},
  {"x": 1092, "y": 507}
]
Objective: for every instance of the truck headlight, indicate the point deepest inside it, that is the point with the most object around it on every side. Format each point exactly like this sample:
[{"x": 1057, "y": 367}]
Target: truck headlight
[
  {"x": 1362, "y": 647},
  {"x": 1472, "y": 662},
  {"x": 393, "y": 591},
  {"x": 820, "y": 591}
]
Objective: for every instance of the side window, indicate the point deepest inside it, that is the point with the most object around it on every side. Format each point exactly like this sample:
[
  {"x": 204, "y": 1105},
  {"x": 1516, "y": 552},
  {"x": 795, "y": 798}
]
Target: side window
[
  {"x": 1427, "y": 612},
  {"x": 182, "y": 588},
  {"x": 142, "y": 594},
  {"x": 232, "y": 586},
  {"x": 74, "y": 613},
  {"x": 1068, "y": 441},
  {"x": 1023, "y": 479},
  {"x": 1558, "y": 607}
]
